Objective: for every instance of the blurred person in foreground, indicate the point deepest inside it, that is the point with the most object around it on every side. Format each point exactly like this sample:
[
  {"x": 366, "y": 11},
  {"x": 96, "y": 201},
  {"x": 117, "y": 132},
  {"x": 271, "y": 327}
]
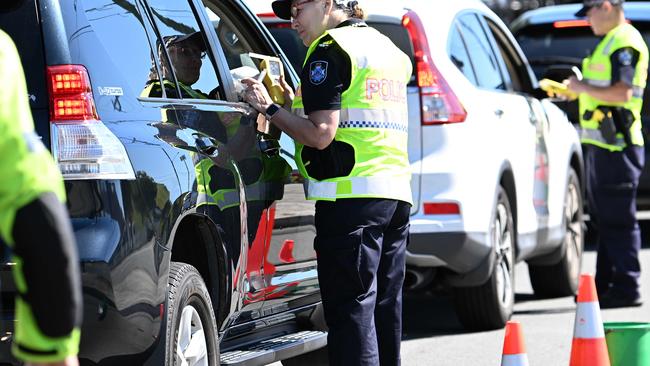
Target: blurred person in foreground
[
  {"x": 34, "y": 223},
  {"x": 610, "y": 100},
  {"x": 349, "y": 120}
]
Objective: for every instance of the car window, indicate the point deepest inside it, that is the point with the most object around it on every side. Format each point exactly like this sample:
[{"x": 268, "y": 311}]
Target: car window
[
  {"x": 459, "y": 56},
  {"x": 545, "y": 45},
  {"x": 182, "y": 51},
  {"x": 480, "y": 52},
  {"x": 290, "y": 43},
  {"x": 516, "y": 70},
  {"x": 20, "y": 22},
  {"x": 109, "y": 37},
  {"x": 233, "y": 42}
]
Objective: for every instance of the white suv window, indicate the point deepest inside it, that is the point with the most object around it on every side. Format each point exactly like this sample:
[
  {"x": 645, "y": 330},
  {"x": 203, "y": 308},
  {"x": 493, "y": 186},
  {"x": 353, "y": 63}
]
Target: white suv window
[
  {"x": 484, "y": 60},
  {"x": 459, "y": 55}
]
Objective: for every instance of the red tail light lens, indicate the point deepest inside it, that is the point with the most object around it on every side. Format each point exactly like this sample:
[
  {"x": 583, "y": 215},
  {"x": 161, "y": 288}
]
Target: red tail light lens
[
  {"x": 571, "y": 23},
  {"x": 82, "y": 146},
  {"x": 71, "y": 97},
  {"x": 438, "y": 102},
  {"x": 441, "y": 208}
]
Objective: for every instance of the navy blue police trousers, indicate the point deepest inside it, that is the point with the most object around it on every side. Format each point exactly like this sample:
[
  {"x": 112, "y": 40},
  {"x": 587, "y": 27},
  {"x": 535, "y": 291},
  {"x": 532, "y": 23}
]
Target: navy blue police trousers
[
  {"x": 361, "y": 248},
  {"x": 612, "y": 181}
]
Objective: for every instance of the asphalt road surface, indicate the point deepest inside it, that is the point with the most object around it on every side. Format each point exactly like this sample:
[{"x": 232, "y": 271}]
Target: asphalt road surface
[{"x": 433, "y": 335}]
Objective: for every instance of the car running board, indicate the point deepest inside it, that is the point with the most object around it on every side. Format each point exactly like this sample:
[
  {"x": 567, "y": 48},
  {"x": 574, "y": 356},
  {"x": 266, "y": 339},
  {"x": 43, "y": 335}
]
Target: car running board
[{"x": 275, "y": 349}]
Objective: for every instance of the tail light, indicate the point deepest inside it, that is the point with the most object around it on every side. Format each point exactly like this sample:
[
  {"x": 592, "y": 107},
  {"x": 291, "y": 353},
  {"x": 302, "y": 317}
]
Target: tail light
[
  {"x": 575, "y": 23},
  {"x": 438, "y": 102},
  {"x": 571, "y": 23},
  {"x": 83, "y": 147},
  {"x": 441, "y": 208}
]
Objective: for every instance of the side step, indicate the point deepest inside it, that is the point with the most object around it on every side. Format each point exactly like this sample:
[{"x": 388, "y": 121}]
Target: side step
[{"x": 275, "y": 349}]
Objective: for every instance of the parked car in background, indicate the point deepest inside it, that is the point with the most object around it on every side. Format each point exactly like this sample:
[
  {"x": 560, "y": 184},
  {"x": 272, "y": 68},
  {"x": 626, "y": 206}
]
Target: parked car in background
[
  {"x": 194, "y": 236},
  {"x": 497, "y": 173},
  {"x": 554, "y": 40}
]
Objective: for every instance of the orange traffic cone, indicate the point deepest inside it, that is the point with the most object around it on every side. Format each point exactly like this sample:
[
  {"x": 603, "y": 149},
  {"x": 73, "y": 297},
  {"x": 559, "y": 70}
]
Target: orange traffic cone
[
  {"x": 514, "y": 350},
  {"x": 589, "y": 347}
]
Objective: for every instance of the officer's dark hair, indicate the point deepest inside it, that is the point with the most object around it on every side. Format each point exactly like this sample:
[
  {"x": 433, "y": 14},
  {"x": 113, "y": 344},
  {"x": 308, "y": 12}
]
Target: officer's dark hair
[{"x": 352, "y": 9}]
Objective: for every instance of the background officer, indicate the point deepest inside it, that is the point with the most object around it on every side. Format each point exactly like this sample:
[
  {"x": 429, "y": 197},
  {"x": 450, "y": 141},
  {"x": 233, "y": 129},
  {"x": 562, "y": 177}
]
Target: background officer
[
  {"x": 610, "y": 99},
  {"x": 350, "y": 126},
  {"x": 35, "y": 224}
]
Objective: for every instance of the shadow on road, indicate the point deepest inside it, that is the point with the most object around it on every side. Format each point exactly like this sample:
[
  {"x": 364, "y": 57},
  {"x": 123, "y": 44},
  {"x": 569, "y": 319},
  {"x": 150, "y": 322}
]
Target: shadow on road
[
  {"x": 428, "y": 315},
  {"x": 564, "y": 310}
]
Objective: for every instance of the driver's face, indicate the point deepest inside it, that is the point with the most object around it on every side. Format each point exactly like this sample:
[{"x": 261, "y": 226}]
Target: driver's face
[{"x": 186, "y": 59}]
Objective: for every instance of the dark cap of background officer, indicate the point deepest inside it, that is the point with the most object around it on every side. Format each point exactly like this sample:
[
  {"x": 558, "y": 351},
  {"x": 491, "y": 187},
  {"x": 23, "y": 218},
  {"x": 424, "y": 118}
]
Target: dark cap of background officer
[
  {"x": 192, "y": 38},
  {"x": 588, "y": 4},
  {"x": 282, "y": 8}
]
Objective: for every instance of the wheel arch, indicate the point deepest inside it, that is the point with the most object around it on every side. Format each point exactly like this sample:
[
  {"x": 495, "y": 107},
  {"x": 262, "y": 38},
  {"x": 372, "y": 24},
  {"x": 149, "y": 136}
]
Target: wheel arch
[
  {"x": 196, "y": 241},
  {"x": 507, "y": 181}
]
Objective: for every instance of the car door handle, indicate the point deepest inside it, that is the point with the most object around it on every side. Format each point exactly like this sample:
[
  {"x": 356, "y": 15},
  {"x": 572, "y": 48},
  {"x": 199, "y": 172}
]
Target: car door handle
[
  {"x": 206, "y": 146},
  {"x": 270, "y": 147},
  {"x": 498, "y": 112}
]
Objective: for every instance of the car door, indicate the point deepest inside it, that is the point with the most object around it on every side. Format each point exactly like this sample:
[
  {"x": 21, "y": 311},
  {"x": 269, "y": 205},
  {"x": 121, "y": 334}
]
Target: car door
[
  {"x": 530, "y": 153},
  {"x": 288, "y": 258},
  {"x": 224, "y": 132},
  {"x": 512, "y": 135}
]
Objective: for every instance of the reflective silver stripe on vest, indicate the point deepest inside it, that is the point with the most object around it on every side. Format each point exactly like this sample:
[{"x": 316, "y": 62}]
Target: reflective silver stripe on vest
[
  {"x": 595, "y": 135},
  {"x": 34, "y": 143},
  {"x": 599, "y": 83},
  {"x": 374, "y": 118},
  {"x": 637, "y": 91},
  {"x": 262, "y": 191},
  {"x": 230, "y": 198},
  {"x": 378, "y": 186}
]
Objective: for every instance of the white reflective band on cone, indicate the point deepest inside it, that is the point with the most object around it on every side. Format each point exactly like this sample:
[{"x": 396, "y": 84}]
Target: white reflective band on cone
[
  {"x": 514, "y": 360},
  {"x": 589, "y": 324}
]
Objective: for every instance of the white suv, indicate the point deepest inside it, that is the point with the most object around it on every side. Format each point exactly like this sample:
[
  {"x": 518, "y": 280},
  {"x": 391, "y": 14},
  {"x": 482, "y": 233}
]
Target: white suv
[{"x": 497, "y": 173}]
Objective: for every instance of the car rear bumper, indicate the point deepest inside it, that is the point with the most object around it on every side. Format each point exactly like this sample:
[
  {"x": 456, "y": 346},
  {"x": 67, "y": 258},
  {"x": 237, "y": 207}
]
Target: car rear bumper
[
  {"x": 131, "y": 335},
  {"x": 468, "y": 256}
]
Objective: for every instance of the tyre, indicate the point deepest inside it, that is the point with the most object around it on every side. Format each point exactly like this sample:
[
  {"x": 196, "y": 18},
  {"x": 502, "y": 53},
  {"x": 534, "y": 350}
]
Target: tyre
[
  {"x": 191, "y": 326},
  {"x": 489, "y": 306},
  {"x": 561, "y": 279}
]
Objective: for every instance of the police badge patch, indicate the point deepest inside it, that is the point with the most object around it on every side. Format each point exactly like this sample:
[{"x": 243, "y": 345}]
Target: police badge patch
[
  {"x": 317, "y": 72},
  {"x": 625, "y": 57}
]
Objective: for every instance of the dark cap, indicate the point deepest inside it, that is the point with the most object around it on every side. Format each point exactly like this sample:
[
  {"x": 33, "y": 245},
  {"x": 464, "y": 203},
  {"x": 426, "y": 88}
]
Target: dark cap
[
  {"x": 282, "y": 8},
  {"x": 588, "y": 4},
  {"x": 193, "y": 38}
]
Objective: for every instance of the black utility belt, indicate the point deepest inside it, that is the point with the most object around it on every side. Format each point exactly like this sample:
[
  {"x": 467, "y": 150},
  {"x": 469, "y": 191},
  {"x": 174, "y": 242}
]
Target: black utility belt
[{"x": 612, "y": 120}]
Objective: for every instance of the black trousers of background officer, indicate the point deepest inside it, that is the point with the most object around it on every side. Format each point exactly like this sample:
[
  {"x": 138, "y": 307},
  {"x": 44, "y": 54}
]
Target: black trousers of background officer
[
  {"x": 361, "y": 246},
  {"x": 612, "y": 180}
]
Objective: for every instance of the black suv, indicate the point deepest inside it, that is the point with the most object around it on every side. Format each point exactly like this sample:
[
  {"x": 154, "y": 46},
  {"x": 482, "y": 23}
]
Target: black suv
[{"x": 193, "y": 232}]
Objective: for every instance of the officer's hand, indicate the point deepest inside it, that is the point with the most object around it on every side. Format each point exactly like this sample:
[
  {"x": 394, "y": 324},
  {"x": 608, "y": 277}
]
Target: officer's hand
[
  {"x": 288, "y": 93},
  {"x": 256, "y": 95},
  {"x": 574, "y": 85},
  {"x": 69, "y": 361}
]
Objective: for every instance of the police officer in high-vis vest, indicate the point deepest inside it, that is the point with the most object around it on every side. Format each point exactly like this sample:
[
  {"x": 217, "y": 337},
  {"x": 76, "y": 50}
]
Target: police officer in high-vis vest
[
  {"x": 35, "y": 225},
  {"x": 610, "y": 99},
  {"x": 349, "y": 123}
]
